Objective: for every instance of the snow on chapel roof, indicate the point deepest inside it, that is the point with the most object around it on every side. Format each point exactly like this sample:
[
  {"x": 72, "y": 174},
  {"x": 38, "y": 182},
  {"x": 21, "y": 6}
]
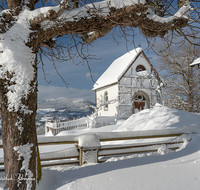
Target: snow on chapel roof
[
  {"x": 117, "y": 69},
  {"x": 195, "y": 62}
]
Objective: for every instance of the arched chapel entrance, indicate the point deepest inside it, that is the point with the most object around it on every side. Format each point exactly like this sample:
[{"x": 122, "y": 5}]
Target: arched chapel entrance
[{"x": 141, "y": 101}]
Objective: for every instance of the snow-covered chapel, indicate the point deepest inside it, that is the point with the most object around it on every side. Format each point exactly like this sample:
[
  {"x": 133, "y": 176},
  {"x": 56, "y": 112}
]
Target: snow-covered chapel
[{"x": 129, "y": 85}]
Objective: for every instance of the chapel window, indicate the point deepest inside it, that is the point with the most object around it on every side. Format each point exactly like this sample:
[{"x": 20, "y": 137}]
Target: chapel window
[
  {"x": 139, "y": 98},
  {"x": 140, "y": 68},
  {"x": 106, "y": 100}
]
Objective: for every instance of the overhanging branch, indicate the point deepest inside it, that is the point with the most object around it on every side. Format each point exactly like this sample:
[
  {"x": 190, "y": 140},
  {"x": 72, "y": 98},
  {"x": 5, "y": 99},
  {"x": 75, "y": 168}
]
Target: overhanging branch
[{"x": 94, "y": 22}]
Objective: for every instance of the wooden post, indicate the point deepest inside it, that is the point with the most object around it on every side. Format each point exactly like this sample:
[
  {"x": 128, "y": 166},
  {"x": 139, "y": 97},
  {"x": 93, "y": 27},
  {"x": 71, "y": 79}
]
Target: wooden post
[
  {"x": 88, "y": 148},
  {"x": 88, "y": 155}
]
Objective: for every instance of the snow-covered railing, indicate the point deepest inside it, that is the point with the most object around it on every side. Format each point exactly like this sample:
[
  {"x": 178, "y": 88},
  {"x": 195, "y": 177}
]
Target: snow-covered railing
[
  {"x": 57, "y": 127},
  {"x": 68, "y": 156},
  {"x": 90, "y": 147},
  {"x": 90, "y": 143},
  {"x": 82, "y": 123},
  {"x": 108, "y": 151},
  {"x": 67, "y": 124}
]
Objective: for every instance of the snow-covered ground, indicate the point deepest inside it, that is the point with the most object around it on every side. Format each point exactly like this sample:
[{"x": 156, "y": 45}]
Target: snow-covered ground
[
  {"x": 173, "y": 171},
  {"x": 176, "y": 171}
]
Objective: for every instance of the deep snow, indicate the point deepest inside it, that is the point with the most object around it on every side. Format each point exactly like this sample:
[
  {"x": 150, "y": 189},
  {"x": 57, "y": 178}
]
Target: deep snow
[
  {"x": 160, "y": 117},
  {"x": 171, "y": 171}
]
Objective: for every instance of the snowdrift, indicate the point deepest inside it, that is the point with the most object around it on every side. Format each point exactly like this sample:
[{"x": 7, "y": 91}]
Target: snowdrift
[{"x": 160, "y": 117}]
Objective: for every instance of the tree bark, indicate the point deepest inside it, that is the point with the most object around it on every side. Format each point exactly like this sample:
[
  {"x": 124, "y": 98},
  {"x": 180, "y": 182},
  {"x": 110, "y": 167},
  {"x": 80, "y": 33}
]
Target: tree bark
[
  {"x": 23, "y": 175},
  {"x": 190, "y": 96}
]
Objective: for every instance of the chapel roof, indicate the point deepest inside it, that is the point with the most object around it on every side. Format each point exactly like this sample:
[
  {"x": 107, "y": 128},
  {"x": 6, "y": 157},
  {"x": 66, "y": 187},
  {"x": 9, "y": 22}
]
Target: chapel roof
[
  {"x": 195, "y": 62},
  {"x": 116, "y": 70}
]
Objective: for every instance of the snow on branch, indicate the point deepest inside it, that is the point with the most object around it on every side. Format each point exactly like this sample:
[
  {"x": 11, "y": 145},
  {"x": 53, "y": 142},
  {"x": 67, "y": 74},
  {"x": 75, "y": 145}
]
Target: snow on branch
[
  {"x": 49, "y": 13},
  {"x": 183, "y": 12},
  {"x": 61, "y": 20}
]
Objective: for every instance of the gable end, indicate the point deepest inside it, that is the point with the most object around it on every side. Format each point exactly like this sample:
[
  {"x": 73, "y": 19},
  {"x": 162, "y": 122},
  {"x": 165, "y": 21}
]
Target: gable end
[
  {"x": 143, "y": 54},
  {"x": 129, "y": 66}
]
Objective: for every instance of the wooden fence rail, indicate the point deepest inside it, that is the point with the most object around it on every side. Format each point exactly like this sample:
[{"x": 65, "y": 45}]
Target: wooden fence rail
[
  {"x": 108, "y": 151},
  {"x": 170, "y": 139}
]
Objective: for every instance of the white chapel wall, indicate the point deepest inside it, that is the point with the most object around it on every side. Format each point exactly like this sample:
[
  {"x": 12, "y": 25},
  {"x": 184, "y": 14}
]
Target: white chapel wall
[{"x": 112, "y": 91}]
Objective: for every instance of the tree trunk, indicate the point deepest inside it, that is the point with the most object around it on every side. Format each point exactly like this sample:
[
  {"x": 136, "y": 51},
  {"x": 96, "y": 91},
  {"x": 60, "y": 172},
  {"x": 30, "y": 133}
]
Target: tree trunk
[
  {"x": 19, "y": 139},
  {"x": 190, "y": 102},
  {"x": 190, "y": 96}
]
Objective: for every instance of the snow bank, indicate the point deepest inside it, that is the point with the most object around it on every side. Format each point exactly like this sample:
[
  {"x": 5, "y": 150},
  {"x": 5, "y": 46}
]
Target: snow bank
[{"x": 160, "y": 117}]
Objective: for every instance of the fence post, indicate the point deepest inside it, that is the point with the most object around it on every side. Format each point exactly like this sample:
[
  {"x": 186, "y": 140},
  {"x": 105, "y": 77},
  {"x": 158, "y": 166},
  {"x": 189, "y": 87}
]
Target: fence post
[{"x": 88, "y": 146}]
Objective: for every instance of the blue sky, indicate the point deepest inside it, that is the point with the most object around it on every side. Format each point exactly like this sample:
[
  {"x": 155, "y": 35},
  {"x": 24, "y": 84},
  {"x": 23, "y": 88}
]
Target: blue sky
[{"x": 77, "y": 76}]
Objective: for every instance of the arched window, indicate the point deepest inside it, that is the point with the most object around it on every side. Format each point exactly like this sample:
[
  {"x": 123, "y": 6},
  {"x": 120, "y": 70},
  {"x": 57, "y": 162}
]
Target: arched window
[
  {"x": 139, "y": 97},
  {"x": 140, "y": 68},
  {"x": 106, "y": 100},
  {"x": 139, "y": 103}
]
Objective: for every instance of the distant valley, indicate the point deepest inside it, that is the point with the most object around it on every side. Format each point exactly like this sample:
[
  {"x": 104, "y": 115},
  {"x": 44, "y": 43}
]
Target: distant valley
[{"x": 61, "y": 108}]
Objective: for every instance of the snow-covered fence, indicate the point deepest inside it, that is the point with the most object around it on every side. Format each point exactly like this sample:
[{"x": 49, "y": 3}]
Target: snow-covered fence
[
  {"x": 90, "y": 148},
  {"x": 57, "y": 127},
  {"x": 68, "y": 156},
  {"x": 85, "y": 122},
  {"x": 161, "y": 147}
]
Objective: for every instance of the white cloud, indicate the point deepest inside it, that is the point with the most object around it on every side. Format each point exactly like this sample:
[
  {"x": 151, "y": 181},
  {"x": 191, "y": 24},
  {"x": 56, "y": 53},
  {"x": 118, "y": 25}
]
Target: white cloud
[
  {"x": 49, "y": 92},
  {"x": 88, "y": 75}
]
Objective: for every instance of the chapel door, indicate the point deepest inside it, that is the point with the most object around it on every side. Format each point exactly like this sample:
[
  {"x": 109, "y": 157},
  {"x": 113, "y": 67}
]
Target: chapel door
[{"x": 139, "y": 103}]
